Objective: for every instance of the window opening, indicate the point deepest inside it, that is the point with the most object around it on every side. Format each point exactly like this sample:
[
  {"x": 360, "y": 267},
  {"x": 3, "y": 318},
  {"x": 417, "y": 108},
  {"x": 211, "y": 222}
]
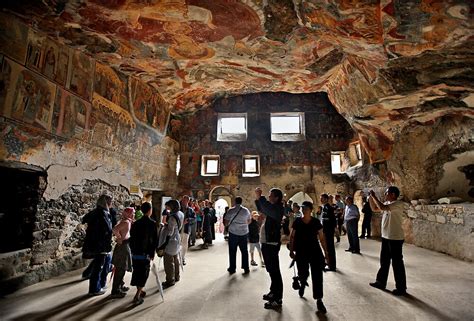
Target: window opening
[
  {"x": 251, "y": 166},
  {"x": 232, "y": 127},
  {"x": 287, "y": 126},
  {"x": 210, "y": 165}
]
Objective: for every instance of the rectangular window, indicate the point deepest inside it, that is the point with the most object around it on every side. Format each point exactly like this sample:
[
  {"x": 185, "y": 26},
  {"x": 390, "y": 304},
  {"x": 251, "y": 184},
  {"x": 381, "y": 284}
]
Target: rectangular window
[
  {"x": 287, "y": 126},
  {"x": 210, "y": 165},
  {"x": 231, "y": 127},
  {"x": 336, "y": 162},
  {"x": 251, "y": 165}
]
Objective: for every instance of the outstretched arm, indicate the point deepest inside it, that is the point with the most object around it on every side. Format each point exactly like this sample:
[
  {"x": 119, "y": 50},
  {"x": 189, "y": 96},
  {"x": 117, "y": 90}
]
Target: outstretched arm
[{"x": 378, "y": 204}]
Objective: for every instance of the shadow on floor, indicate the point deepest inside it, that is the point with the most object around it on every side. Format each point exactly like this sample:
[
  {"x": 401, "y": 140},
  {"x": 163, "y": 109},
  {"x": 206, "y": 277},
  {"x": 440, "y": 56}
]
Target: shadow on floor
[
  {"x": 42, "y": 315},
  {"x": 425, "y": 307}
]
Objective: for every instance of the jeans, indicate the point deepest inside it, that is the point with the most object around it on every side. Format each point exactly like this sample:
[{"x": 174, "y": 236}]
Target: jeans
[
  {"x": 392, "y": 251},
  {"x": 272, "y": 265},
  {"x": 100, "y": 268},
  {"x": 241, "y": 242},
  {"x": 329, "y": 236}
]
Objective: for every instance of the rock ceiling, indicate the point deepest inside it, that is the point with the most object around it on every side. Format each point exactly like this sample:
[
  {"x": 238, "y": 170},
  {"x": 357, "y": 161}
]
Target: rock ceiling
[{"x": 384, "y": 64}]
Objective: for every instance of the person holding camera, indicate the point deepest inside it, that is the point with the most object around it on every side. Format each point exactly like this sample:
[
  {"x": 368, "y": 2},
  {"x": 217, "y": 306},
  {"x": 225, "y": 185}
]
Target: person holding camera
[
  {"x": 392, "y": 240},
  {"x": 305, "y": 239}
]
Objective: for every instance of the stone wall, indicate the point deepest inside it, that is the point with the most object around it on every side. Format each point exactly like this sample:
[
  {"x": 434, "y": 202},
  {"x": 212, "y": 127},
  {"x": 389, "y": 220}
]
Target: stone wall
[
  {"x": 444, "y": 228},
  {"x": 57, "y": 235}
]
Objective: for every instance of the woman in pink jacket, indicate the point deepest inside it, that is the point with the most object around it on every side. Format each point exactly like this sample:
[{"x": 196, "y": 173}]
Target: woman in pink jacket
[{"x": 122, "y": 256}]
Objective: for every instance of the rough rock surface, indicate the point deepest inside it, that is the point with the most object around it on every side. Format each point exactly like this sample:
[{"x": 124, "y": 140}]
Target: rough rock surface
[{"x": 396, "y": 70}]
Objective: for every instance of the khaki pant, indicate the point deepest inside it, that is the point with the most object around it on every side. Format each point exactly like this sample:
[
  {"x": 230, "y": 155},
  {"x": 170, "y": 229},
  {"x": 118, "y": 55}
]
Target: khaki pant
[
  {"x": 184, "y": 245},
  {"x": 171, "y": 263}
]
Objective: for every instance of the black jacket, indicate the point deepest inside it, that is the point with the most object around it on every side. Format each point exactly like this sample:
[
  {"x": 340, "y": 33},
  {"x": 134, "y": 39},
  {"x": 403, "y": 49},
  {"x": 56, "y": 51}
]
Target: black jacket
[
  {"x": 99, "y": 232},
  {"x": 328, "y": 218},
  {"x": 144, "y": 237},
  {"x": 274, "y": 214}
]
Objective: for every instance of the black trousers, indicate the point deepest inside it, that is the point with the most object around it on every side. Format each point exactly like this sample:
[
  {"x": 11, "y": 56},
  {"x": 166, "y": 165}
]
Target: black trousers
[
  {"x": 392, "y": 251},
  {"x": 272, "y": 265},
  {"x": 366, "y": 225},
  {"x": 329, "y": 235},
  {"x": 241, "y": 242},
  {"x": 303, "y": 264}
]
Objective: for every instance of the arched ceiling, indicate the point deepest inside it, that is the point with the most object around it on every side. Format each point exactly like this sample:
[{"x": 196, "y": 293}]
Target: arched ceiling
[
  {"x": 196, "y": 50},
  {"x": 398, "y": 70}
]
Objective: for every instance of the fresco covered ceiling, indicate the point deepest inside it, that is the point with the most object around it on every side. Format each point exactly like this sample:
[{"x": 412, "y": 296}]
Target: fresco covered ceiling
[{"x": 385, "y": 65}]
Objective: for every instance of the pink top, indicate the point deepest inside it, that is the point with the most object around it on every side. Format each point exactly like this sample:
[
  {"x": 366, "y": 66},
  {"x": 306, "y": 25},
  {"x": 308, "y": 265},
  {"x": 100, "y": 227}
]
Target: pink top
[{"x": 122, "y": 229}]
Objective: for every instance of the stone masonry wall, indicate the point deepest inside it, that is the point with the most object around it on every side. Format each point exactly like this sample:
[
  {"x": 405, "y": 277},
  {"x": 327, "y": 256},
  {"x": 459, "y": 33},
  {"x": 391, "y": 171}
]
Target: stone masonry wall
[
  {"x": 57, "y": 235},
  {"x": 443, "y": 228}
]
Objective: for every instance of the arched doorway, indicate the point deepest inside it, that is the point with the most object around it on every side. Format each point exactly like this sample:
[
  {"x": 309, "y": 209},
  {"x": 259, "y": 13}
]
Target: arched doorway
[
  {"x": 300, "y": 197},
  {"x": 221, "y": 197}
]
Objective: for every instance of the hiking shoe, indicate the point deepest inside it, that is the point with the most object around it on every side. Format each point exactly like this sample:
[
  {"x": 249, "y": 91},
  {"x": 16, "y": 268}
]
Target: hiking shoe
[
  {"x": 253, "y": 263},
  {"x": 230, "y": 271},
  {"x": 320, "y": 306},
  {"x": 398, "y": 292},
  {"x": 166, "y": 285},
  {"x": 247, "y": 271},
  {"x": 377, "y": 285},
  {"x": 125, "y": 288},
  {"x": 269, "y": 296},
  {"x": 273, "y": 305}
]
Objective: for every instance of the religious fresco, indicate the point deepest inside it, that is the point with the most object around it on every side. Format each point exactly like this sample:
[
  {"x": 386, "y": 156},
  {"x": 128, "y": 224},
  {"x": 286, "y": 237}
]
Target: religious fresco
[
  {"x": 110, "y": 85},
  {"x": 13, "y": 38},
  {"x": 29, "y": 97},
  {"x": 71, "y": 115},
  {"x": 34, "y": 50},
  {"x": 149, "y": 108},
  {"x": 55, "y": 61},
  {"x": 81, "y": 74},
  {"x": 111, "y": 125}
]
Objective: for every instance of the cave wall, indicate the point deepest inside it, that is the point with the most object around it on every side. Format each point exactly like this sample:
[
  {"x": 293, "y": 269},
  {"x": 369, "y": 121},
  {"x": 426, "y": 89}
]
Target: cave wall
[
  {"x": 291, "y": 166},
  {"x": 78, "y": 121}
]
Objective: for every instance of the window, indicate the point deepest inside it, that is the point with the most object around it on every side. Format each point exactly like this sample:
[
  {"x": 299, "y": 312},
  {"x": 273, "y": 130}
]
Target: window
[
  {"x": 210, "y": 165},
  {"x": 287, "y": 126},
  {"x": 251, "y": 165},
  {"x": 336, "y": 162},
  {"x": 231, "y": 127}
]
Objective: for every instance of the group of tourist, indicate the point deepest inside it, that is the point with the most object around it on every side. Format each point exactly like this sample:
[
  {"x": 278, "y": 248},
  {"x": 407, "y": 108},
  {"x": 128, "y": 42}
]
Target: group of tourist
[{"x": 311, "y": 240}]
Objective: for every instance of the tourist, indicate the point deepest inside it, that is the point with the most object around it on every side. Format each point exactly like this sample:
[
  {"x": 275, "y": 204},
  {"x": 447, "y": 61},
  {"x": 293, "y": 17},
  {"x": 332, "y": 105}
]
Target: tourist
[
  {"x": 238, "y": 220},
  {"x": 254, "y": 238},
  {"x": 351, "y": 219},
  {"x": 122, "y": 256},
  {"x": 98, "y": 243},
  {"x": 171, "y": 245},
  {"x": 270, "y": 238},
  {"x": 189, "y": 219},
  {"x": 329, "y": 224},
  {"x": 392, "y": 240},
  {"x": 143, "y": 243},
  {"x": 307, "y": 233},
  {"x": 367, "y": 221}
]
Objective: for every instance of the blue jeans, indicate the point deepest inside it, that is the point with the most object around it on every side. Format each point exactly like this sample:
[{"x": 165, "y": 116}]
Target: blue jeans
[
  {"x": 101, "y": 265},
  {"x": 241, "y": 242}
]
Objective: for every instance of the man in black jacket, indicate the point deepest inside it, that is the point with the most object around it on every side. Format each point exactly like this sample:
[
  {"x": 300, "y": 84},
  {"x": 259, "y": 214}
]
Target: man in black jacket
[
  {"x": 273, "y": 211},
  {"x": 98, "y": 243}
]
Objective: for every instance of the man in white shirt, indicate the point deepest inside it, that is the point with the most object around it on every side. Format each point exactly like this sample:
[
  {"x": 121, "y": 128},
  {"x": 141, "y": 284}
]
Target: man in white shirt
[
  {"x": 392, "y": 240},
  {"x": 238, "y": 219}
]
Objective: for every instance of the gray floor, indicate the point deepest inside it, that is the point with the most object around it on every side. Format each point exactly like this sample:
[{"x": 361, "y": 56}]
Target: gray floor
[{"x": 440, "y": 287}]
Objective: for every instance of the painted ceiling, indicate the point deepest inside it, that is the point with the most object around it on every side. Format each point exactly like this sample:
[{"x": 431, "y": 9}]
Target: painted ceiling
[{"x": 386, "y": 65}]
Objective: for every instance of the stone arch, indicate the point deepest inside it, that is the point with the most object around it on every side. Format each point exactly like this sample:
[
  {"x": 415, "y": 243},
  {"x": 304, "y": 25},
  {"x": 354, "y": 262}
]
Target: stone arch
[
  {"x": 301, "y": 196},
  {"x": 219, "y": 192}
]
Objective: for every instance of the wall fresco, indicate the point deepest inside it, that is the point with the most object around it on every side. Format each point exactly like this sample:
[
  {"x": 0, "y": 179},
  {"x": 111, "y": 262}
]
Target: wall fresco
[
  {"x": 81, "y": 74},
  {"x": 29, "y": 97},
  {"x": 149, "y": 108},
  {"x": 55, "y": 61},
  {"x": 71, "y": 115},
  {"x": 13, "y": 38},
  {"x": 111, "y": 85},
  {"x": 34, "y": 50}
]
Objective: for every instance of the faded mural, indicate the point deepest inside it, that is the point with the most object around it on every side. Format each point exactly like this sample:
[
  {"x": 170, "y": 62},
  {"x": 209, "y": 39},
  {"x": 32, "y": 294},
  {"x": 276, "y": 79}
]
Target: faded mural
[
  {"x": 71, "y": 115},
  {"x": 29, "y": 97},
  {"x": 34, "y": 50},
  {"x": 55, "y": 61},
  {"x": 13, "y": 38},
  {"x": 80, "y": 74}
]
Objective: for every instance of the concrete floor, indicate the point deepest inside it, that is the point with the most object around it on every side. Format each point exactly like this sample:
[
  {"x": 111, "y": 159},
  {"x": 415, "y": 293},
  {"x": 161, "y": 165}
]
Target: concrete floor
[{"x": 440, "y": 288}]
